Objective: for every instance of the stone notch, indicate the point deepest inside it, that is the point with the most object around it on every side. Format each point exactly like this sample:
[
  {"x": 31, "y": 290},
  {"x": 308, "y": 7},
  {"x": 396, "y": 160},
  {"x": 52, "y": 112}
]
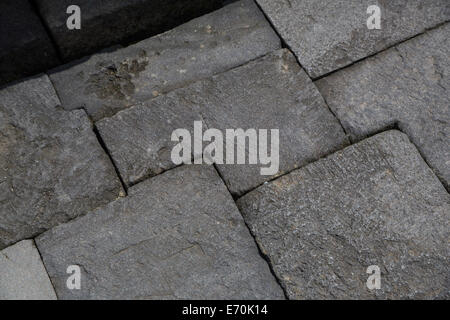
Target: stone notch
[
  {"x": 373, "y": 203},
  {"x": 176, "y": 236},
  {"x": 406, "y": 86},
  {"x": 106, "y": 83},
  {"x": 52, "y": 167},
  {"x": 329, "y": 35}
]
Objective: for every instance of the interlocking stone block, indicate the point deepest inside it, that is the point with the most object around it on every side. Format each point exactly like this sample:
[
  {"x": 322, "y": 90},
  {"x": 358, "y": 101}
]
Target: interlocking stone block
[
  {"x": 328, "y": 35},
  {"x": 104, "y": 23},
  {"x": 373, "y": 203},
  {"x": 109, "y": 82},
  {"x": 22, "y": 274},
  {"x": 25, "y": 47},
  {"x": 270, "y": 93},
  {"x": 176, "y": 236},
  {"x": 52, "y": 167},
  {"x": 407, "y": 85}
]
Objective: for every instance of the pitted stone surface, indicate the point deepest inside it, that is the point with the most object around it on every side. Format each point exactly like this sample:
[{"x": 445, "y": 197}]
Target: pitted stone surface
[
  {"x": 104, "y": 23},
  {"x": 25, "y": 48},
  {"x": 108, "y": 82},
  {"x": 272, "y": 92},
  {"x": 407, "y": 85},
  {"x": 22, "y": 274},
  {"x": 373, "y": 203},
  {"x": 52, "y": 167},
  {"x": 328, "y": 35},
  {"x": 176, "y": 236}
]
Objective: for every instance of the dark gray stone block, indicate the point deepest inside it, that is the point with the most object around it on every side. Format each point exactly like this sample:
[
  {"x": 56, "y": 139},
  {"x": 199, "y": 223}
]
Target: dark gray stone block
[
  {"x": 104, "y": 23},
  {"x": 270, "y": 93},
  {"x": 109, "y": 82},
  {"x": 52, "y": 168},
  {"x": 407, "y": 86},
  {"x": 176, "y": 236},
  {"x": 25, "y": 48},
  {"x": 328, "y": 35},
  {"x": 373, "y": 203}
]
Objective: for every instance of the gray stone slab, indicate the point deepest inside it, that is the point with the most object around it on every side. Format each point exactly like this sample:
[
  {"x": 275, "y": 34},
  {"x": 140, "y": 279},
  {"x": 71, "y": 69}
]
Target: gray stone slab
[
  {"x": 328, "y": 35},
  {"x": 176, "y": 236},
  {"x": 104, "y": 23},
  {"x": 25, "y": 47},
  {"x": 270, "y": 93},
  {"x": 52, "y": 167},
  {"x": 106, "y": 83},
  {"x": 22, "y": 275},
  {"x": 373, "y": 203},
  {"x": 408, "y": 86}
]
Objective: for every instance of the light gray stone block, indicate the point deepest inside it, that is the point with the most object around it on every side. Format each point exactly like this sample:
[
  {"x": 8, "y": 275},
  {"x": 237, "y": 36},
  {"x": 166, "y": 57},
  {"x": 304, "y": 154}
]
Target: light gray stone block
[
  {"x": 270, "y": 93},
  {"x": 108, "y": 82},
  {"x": 373, "y": 203},
  {"x": 407, "y": 86},
  {"x": 22, "y": 274},
  {"x": 328, "y": 35},
  {"x": 176, "y": 236},
  {"x": 52, "y": 167}
]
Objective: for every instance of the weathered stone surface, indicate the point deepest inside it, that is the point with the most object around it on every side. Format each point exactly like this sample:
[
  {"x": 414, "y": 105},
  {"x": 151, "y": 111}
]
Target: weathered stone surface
[
  {"x": 407, "y": 85},
  {"x": 109, "y": 82},
  {"x": 22, "y": 274},
  {"x": 25, "y": 48},
  {"x": 374, "y": 203},
  {"x": 176, "y": 236},
  {"x": 104, "y": 23},
  {"x": 270, "y": 93},
  {"x": 52, "y": 167},
  {"x": 328, "y": 35}
]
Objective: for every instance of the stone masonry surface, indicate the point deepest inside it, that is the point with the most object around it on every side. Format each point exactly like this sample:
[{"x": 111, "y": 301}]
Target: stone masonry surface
[
  {"x": 176, "y": 236},
  {"x": 108, "y": 82},
  {"x": 327, "y": 35},
  {"x": 373, "y": 203},
  {"x": 104, "y": 23},
  {"x": 22, "y": 274},
  {"x": 271, "y": 92},
  {"x": 407, "y": 85},
  {"x": 52, "y": 167}
]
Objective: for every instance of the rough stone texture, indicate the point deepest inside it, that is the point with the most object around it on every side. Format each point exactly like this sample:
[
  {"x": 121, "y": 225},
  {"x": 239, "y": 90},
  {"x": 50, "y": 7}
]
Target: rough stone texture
[
  {"x": 328, "y": 35},
  {"x": 104, "y": 23},
  {"x": 176, "y": 236},
  {"x": 407, "y": 85},
  {"x": 25, "y": 48},
  {"x": 52, "y": 167},
  {"x": 270, "y": 93},
  {"x": 374, "y": 203},
  {"x": 22, "y": 274},
  {"x": 106, "y": 83}
]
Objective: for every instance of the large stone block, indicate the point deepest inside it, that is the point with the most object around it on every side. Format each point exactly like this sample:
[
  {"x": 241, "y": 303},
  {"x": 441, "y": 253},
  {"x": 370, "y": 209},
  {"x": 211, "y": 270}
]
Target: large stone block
[
  {"x": 108, "y": 82},
  {"x": 25, "y": 48},
  {"x": 373, "y": 203},
  {"x": 407, "y": 86},
  {"x": 22, "y": 274},
  {"x": 176, "y": 236},
  {"x": 52, "y": 167},
  {"x": 270, "y": 93},
  {"x": 104, "y": 23},
  {"x": 328, "y": 35}
]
